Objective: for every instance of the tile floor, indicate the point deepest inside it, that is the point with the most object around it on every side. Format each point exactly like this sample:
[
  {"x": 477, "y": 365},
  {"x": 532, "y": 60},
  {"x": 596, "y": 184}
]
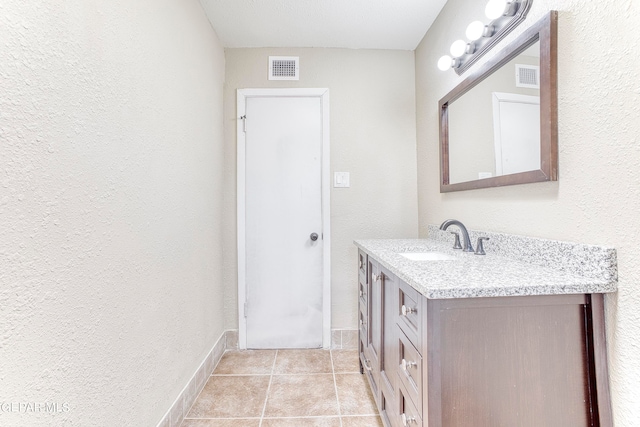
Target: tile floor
[{"x": 285, "y": 388}]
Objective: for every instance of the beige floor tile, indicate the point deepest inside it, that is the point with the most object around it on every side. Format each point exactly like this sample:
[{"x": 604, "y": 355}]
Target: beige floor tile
[
  {"x": 303, "y": 362},
  {"x": 345, "y": 361},
  {"x": 302, "y": 396},
  {"x": 302, "y": 422},
  {"x": 244, "y": 422},
  {"x": 231, "y": 397},
  {"x": 246, "y": 362},
  {"x": 360, "y": 421},
  {"x": 354, "y": 395}
]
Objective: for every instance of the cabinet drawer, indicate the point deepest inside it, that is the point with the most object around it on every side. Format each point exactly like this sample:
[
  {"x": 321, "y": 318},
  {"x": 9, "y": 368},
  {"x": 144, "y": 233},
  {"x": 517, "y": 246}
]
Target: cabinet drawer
[
  {"x": 388, "y": 409},
  {"x": 365, "y": 361},
  {"x": 362, "y": 325},
  {"x": 363, "y": 297},
  {"x": 408, "y": 416},
  {"x": 362, "y": 266},
  {"x": 409, "y": 313},
  {"x": 365, "y": 358},
  {"x": 362, "y": 349},
  {"x": 410, "y": 369}
]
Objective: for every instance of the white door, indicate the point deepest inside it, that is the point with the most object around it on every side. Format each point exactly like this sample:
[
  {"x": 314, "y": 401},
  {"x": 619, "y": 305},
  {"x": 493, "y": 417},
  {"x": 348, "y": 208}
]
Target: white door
[
  {"x": 516, "y": 121},
  {"x": 283, "y": 222}
]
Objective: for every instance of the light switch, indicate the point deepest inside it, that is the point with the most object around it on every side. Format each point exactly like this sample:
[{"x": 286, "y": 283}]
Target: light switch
[{"x": 341, "y": 179}]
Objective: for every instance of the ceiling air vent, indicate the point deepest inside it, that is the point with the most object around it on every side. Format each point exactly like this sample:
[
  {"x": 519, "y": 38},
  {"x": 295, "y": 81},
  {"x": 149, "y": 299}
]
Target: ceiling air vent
[
  {"x": 284, "y": 68},
  {"x": 528, "y": 76}
]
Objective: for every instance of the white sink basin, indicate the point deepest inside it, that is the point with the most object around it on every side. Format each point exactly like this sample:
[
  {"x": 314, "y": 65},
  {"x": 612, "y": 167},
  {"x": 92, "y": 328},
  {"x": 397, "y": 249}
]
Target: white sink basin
[{"x": 428, "y": 256}]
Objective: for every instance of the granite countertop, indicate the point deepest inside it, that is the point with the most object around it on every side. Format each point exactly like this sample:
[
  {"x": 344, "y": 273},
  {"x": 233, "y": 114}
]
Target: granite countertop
[{"x": 496, "y": 274}]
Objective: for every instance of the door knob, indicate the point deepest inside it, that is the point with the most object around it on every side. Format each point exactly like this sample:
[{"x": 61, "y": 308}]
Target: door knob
[{"x": 314, "y": 237}]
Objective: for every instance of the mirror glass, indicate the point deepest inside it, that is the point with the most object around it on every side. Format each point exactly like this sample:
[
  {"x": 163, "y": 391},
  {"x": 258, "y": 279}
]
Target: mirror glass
[
  {"x": 499, "y": 126},
  {"x": 494, "y": 129}
]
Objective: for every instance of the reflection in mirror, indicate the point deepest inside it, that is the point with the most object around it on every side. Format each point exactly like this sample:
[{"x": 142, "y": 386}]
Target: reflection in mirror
[
  {"x": 499, "y": 126},
  {"x": 494, "y": 129}
]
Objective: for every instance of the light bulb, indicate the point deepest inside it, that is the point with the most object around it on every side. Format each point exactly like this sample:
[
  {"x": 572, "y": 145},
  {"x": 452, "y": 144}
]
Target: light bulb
[
  {"x": 495, "y": 8},
  {"x": 444, "y": 63},
  {"x": 457, "y": 48},
  {"x": 475, "y": 30}
]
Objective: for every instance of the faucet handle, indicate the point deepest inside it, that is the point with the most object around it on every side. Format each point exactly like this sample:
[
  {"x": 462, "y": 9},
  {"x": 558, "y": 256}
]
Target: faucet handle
[
  {"x": 456, "y": 244},
  {"x": 480, "y": 247}
]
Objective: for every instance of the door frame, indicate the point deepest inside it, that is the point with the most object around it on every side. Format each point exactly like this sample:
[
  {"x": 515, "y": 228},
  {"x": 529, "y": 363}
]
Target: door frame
[
  {"x": 323, "y": 95},
  {"x": 497, "y": 99}
]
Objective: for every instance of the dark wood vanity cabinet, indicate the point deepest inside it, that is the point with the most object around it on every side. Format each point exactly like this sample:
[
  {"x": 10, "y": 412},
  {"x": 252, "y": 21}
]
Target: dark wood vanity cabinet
[
  {"x": 378, "y": 358},
  {"x": 482, "y": 362},
  {"x": 387, "y": 355}
]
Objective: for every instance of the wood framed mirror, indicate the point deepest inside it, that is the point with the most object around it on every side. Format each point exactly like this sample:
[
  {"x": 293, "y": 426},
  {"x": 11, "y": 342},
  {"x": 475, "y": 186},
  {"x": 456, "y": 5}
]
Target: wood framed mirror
[{"x": 500, "y": 125}]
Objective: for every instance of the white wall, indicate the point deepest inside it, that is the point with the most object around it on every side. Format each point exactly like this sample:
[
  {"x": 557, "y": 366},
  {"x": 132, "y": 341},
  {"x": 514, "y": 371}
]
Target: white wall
[
  {"x": 597, "y": 199},
  {"x": 110, "y": 203},
  {"x": 372, "y": 98}
]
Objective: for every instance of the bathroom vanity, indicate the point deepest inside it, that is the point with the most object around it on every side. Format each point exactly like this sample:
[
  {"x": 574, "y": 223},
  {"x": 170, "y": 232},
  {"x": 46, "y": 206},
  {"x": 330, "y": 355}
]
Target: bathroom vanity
[{"x": 512, "y": 338}]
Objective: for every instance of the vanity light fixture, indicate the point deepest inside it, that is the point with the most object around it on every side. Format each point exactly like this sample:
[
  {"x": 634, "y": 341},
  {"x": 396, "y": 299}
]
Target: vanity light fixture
[{"x": 505, "y": 15}]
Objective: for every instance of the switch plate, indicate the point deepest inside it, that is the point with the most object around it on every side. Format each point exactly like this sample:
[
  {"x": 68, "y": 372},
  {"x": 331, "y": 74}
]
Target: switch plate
[{"x": 341, "y": 179}]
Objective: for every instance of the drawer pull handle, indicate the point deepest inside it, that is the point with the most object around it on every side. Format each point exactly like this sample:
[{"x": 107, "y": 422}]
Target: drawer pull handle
[
  {"x": 362, "y": 323},
  {"x": 408, "y": 365},
  {"x": 361, "y": 293},
  {"x": 374, "y": 277},
  {"x": 360, "y": 264},
  {"x": 367, "y": 364},
  {"x": 408, "y": 310},
  {"x": 408, "y": 420}
]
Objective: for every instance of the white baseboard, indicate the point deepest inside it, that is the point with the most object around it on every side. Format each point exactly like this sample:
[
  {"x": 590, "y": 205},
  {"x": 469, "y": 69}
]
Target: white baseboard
[
  {"x": 344, "y": 339},
  {"x": 181, "y": 406}
]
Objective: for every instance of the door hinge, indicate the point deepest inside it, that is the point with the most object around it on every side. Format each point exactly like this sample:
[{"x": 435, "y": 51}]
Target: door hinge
[
  {"x": 244, "y": 123},
  {"x": 245, "y": 308}
]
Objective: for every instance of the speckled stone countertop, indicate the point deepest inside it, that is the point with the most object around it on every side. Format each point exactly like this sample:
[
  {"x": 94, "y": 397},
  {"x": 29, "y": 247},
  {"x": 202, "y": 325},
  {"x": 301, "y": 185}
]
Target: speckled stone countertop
[{"x": 513, "y": 266}]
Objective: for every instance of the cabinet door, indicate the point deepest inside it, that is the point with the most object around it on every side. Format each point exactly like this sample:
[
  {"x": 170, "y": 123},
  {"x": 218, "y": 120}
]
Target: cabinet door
[
  {"x": 363, "y": 299},
  {"x": 511, "y": 361},
  {"x": 374, "y": 354},
  {"x": 389, "y": 351}
]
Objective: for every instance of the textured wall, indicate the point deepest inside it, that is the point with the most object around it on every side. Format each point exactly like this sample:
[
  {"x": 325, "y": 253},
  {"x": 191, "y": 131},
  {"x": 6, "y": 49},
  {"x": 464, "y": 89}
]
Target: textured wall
[
  {"x": 597, "y": 199},
  {"x": 110, "y": 201},
  {"x": 372, "y": 100}
]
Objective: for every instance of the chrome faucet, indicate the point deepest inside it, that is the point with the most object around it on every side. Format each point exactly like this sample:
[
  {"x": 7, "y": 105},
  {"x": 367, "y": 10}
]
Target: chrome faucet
[{"x": 465, "y": 234}]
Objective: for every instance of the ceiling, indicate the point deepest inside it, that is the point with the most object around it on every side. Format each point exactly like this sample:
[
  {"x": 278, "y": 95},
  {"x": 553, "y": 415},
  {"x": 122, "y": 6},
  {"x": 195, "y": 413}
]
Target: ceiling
[{"x": 355, "y": 24}]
